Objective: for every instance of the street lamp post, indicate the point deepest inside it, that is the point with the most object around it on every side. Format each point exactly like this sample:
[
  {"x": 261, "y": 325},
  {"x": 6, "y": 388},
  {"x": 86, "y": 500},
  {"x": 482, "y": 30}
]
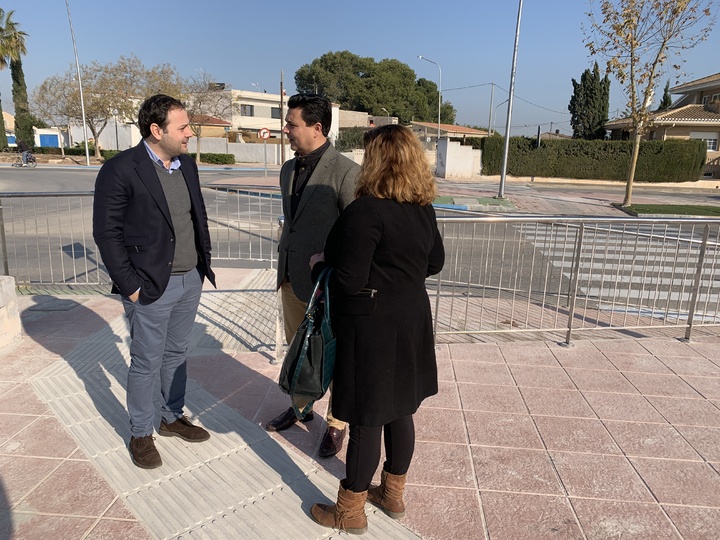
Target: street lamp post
[
  {"x": 421, "y": 57},
  {"x": 386, "y": 113},
  {"x": 492, "y": 93},
  {"x": 503, "y": 171},
  {"x": 82, "y": 100},
  {"x": 117, "y": 140}
]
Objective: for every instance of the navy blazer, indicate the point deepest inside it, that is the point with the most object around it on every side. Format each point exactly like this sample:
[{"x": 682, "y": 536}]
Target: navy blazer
[{"x": 132, "y": 226}]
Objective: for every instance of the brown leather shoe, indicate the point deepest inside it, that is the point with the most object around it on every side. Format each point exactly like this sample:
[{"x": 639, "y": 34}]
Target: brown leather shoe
[
  {"x": 143, "y": 452},
  {"x": 287, "y": 419},
  {"x": 332, "y": 442},
  {"x": 183, "y": 428}
]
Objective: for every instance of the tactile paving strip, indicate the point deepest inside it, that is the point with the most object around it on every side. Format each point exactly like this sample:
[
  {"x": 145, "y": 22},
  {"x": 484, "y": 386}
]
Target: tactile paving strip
[{"x": 241, "y": 484}]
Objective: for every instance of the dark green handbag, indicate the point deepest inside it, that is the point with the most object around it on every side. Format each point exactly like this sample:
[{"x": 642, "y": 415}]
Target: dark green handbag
[{"x": 308, "y": 367}]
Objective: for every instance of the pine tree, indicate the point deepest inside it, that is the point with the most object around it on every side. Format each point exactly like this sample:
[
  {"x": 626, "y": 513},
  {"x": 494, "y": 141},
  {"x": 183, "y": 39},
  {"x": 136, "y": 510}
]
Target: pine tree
[
  {"x": 590, "y": 105},
  {"x": 666, "y": 101}
]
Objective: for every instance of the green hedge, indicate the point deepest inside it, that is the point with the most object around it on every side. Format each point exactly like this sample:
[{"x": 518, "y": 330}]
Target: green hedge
[
  {"x": 107, "y": 154},
  {"x": 218, "y": 159},
  {"x": 46, "y": 150},
  {"x": 658, "y": 161},
  {"x": 350, "y": 139}
]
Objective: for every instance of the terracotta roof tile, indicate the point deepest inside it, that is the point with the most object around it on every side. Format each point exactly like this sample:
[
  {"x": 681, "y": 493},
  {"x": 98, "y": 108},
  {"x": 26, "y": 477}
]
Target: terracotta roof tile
[
  {"x": 688, "y": 113},
  {"x": 680, "y": 88},
  {"x": 206, "y": 120},
  {"x": 451, "y": 127}
]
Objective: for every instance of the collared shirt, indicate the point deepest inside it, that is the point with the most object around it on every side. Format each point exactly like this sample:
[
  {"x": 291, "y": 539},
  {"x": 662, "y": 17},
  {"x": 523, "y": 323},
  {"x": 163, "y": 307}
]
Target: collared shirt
[
  {"x": 304, "y": 167},
  {"x": 174, "y": 162}
]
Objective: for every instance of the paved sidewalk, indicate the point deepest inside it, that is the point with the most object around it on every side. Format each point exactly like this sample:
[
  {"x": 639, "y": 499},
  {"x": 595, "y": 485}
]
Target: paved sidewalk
[
  {"x": 610, "y": 438},
  {"x": 606, "y": 439}
]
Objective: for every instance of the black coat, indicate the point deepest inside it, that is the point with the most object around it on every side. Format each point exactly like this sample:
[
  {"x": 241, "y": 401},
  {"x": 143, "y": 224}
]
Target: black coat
[
  {"x": 385, "y": 364},
  {"x": 132, "y": 226}
]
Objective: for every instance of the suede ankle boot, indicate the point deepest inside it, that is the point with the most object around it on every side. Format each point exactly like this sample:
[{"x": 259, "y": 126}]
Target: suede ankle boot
[
  {"x": 389, "y": 494},
  {"x": 348, "y": 514}
]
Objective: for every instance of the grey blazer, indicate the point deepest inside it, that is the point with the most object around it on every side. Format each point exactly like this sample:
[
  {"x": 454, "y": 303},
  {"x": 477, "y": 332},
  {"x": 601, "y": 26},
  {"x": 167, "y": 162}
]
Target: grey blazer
[{"x": 328, "y": 191}]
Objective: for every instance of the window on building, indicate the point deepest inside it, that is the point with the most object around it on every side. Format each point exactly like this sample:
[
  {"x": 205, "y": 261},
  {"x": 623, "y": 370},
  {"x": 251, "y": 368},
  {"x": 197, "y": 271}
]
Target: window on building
[
  {"x": 711, "y": 139},
  {"x": 716, "y": 97},
  {"x": 247, "y": 110},
  {"x": 275, "y": 112},
  {"x": 705, "y": 100}
]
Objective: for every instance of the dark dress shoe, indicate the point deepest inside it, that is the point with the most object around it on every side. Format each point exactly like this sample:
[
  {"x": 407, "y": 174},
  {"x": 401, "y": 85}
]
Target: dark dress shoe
[
  {"x": 286, "y": 420},
  {"x": 332, "y": 442}
]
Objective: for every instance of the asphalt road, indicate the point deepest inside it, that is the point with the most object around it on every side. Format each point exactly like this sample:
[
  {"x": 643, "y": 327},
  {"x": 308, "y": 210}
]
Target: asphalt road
[
  {"x": 49, "y": 178},
  {"x": 53, "y": 178}
]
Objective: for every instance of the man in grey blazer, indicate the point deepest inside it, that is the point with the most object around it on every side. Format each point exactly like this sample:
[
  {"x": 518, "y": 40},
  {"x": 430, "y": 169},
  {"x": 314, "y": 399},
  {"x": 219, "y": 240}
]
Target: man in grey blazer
[{"x": 316, "y": 185}]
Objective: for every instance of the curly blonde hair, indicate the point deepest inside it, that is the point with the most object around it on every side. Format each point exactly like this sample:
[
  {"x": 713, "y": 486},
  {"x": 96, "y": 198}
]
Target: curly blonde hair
[{"x": 395, "y": 167}]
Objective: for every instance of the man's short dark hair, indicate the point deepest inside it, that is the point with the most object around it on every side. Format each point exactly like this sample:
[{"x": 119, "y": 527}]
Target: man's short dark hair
[
  {"x": 154, "y": 110},
  {"x": 314, "y": 109}
]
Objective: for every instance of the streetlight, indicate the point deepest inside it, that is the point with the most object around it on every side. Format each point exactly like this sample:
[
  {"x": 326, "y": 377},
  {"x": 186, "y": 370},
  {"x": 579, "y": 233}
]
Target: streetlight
[
  {"x": 421, "y": 57},
  {"x": 494, "y": 116},
  {"x": 117, "y": 142},
  {"x": 492, "y": 93},
  {"x": 387, "y": 113},
  {"x": 82, "y": 100},
  {"x": 503, "y": 171}
]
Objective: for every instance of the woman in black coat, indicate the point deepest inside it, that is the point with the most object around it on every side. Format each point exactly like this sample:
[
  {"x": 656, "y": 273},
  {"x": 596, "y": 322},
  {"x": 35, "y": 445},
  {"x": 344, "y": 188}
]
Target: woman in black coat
[{"x": 382, "y": 248}]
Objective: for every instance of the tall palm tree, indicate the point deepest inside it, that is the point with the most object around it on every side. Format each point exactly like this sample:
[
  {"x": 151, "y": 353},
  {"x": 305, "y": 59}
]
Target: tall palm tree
[{"x": 12, "y": 48}]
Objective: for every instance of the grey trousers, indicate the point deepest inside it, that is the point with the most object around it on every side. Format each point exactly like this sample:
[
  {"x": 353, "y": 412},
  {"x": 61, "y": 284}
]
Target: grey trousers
[{"x": 160, "y": 334}]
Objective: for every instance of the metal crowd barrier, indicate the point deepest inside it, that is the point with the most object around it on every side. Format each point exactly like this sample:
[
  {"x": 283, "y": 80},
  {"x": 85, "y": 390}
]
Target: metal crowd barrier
[
  {"x": 46, "y": 238},
  {"x": 550, "y": 274},
  {"x": 536, "y": 275}
]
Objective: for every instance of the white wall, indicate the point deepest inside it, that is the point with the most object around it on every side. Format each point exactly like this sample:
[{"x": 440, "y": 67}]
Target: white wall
[
  {"x": 128, "y": 135},
  {"x": 243, "y": 152},
  {"x": 456, "y": 161}
]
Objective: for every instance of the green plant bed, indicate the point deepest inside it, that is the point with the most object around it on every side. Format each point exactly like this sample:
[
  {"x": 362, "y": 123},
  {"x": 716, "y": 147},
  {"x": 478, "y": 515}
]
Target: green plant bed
[
  {"x": 217, "y": 159},
  {"x": 672, "y": 209}
]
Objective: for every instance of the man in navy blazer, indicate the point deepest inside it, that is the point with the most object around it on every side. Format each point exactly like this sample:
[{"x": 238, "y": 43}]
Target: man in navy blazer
[{"x": 150, "y": 225}]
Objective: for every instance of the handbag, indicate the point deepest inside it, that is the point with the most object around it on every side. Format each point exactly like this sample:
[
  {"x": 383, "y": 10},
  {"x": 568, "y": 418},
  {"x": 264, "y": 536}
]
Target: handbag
[{"x": 309, "y": 362}]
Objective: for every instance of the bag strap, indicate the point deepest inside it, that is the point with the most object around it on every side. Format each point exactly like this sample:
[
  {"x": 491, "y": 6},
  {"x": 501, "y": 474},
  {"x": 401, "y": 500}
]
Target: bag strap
[
  {"x": 327, "y": 292},
  {"x": 320, "y": 285}
]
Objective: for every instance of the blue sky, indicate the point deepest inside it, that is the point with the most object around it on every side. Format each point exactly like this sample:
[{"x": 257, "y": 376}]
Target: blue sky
[{"x": 242, "y": 43}]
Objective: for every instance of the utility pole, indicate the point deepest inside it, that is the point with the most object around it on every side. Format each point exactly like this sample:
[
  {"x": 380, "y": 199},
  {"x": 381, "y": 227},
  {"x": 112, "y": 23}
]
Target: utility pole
[
  {"x": 82, "y": 100},
  {"x": 511, "y": 95},
  {"x": 282, "y": 119}
]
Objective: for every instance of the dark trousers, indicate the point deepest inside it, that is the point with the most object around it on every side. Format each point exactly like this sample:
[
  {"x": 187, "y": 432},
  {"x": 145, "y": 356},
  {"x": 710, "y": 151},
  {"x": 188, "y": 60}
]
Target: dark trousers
[{"x": 363, "y": 452}]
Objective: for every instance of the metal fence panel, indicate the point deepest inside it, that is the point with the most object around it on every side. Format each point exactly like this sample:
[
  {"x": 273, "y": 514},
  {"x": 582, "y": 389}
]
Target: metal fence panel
[
  {"x": 559, "y": 274},
  {"x": 47, "y": 238},
  {"x": 503, "y": 274}
]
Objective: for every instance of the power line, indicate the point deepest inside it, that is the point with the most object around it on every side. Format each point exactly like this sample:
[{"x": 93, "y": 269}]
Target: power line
[{"x": 504, "y": 90}]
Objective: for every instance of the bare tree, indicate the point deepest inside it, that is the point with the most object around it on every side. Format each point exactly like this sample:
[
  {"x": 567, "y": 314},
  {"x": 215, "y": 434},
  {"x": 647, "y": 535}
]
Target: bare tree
[
  {"x": 110, "y": 90},
  {"x": 635, "y": 38},
  {"x": 205, "y": 99},
  {"x": 48, "y": 102}
]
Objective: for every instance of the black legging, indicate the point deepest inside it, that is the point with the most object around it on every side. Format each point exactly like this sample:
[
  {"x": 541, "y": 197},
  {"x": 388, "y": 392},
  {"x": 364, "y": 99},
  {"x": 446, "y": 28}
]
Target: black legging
[{"x": 363, "y": 452}]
